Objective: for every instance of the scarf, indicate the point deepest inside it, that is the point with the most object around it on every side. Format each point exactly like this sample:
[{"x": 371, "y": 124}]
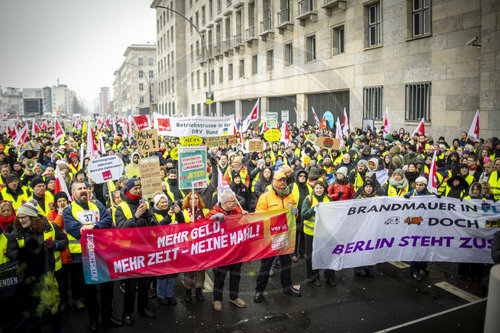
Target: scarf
[
  {"x": 132, "y": 197},
  {"x": 198, "y": 214},
  {"x": 281, "y": 193},
  {"x": 398, "y": 184}
]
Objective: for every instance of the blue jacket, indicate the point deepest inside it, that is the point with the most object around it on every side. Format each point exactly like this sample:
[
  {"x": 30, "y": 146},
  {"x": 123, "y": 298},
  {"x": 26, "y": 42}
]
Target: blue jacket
[
  {"x": 73, "y": 227},
  {"x": 415, "y": 193}
]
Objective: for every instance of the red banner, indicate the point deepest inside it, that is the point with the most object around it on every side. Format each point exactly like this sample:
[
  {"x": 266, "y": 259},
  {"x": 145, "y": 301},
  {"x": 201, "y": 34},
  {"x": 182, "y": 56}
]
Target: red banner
[{"x": 114, "y": 254}]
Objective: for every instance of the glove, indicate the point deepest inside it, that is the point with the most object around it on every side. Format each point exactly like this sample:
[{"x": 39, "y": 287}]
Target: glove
[
  {"x": 340, "y": 194},
  {"x": 407, "y": 196},
  {"x": 219, "y": 216},
  {"x": 295, "y": 211},
  {"x": 49, "y": 244},
  {"x": 438, "y": 195}
]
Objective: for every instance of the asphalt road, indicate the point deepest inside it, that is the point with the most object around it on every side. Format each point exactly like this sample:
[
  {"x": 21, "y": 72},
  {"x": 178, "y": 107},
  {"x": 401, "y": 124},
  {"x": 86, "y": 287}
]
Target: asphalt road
[{"x": 357, "y": 304}]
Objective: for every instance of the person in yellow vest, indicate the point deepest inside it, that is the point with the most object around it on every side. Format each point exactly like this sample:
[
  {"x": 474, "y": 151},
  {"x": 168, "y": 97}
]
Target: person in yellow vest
[
  {"x": 13, "y": 192},
  {"x": 356, "y": 177},
  {"x": 494, "y": 181},
  {"x": 134, "y": 212},
  {"x": 117, "y": 143},
  {"x": 74, "y": 163},
  {"x": 300, "y": 190},
  {"x": 242, "y": 170},
  {"x": 456, "y": 187},
  {"x": 172, "y": 186},
  {"x": 4, "y": 171},
  {"x": 397, "y": 185},
  {"x": 84, "y": 214},
  {"x": 309, "y": 206},
  {"x": 6, "y": 242},
  {"x": 464, "y": 172},
  {"x": 277, "y": 197},
  {"x": 43, "y": 198},
  {"x": 132, "y": 169}
]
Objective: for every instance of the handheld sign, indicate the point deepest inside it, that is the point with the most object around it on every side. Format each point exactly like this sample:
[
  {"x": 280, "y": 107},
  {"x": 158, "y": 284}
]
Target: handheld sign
[
  {"x": 192, "y": 167},
  {"x": 149, "y": 169},
  {"x": 329, "y": 143},
  {"x": 147, "y": 141},
  {"x": 231, "y": 140},
  {"x": 192, "y": 140},
  {"x": 255, "y": 145},
  {"x": 216, "y": 141},
  {"x": 174, "y": 154},
  {"x": 104, "y": 169},
  {"x": 272, "y": 135}
]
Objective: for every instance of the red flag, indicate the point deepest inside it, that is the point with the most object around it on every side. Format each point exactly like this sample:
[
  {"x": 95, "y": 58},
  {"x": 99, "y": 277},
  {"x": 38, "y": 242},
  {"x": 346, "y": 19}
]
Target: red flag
[
  {"x": 142, "y": 122},
  {"x": 22, "y": 137},
  {"x": 60, "y": 185},
  {"x": 474, "y": 127},
  {"x": 163, "y": 124},
  {"x": 253, "y": 116},
  {"x": 58, "y": 131},
  {"x": 345, "y": 124},
  {"x": 35, "y": 129},
  {"x": 101, "y": 146},
  {"x": 315, "y": 116},
  {"x": 432, "y": 185},
  {"x": 420, "y": 127},
  {"x": 91, "y": 145},
  {"x": 387, "y": 126},
  {"x": 323, "y": 123},
  {"x": 106, "y": 124},
  {"x": 98, "y": 123}
]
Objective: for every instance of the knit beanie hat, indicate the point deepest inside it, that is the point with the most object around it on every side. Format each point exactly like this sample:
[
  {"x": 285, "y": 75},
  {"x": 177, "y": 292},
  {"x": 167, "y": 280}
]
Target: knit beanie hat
[
  {"x": 421, "y": 180},
  {"x": 27, "y": 208},
  {"x": 314, "y": 173},
  {"x": 132, "y": 182},
  {"x": 157, "y": 199},
  {"x": 11, "y": 178},
  {"x": 399, "y": 171},
  {"x": 58, "y": 196},
  {"x": 36, "y": 181},
  {"x": 342, "y": 170}
]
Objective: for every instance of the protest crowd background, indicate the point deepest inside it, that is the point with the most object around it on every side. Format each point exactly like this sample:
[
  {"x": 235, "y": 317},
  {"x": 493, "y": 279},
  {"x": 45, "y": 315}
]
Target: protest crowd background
[{"x": 48, "y": 199}]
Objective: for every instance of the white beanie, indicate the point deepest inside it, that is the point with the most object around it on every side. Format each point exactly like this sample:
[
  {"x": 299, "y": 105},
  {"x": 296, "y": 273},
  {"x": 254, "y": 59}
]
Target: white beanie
[
  {"x": 158, "y": 198},
  {"x": 421, "y": 180}
]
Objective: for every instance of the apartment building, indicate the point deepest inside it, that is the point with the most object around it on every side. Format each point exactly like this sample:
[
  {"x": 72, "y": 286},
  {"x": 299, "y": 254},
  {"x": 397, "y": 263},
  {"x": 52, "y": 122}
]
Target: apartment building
[{"x": 432, "y": 59}]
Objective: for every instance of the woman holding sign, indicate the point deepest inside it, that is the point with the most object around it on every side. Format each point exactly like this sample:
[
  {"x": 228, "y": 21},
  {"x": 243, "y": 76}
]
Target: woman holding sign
[{"x": 194, "y": 211}]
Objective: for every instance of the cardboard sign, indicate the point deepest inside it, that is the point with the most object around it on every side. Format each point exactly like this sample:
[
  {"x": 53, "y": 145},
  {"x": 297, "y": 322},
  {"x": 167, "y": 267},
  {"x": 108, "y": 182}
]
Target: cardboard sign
[
  {"x": 329, "y": 143},
  {"x": 106, "y": 168},
  {"x": 192, "y": 140},
  {"x": 149, "y": 170},
  {"x": 255, "y": 145},
  {"x": 147, "y": 141},
  {"x": 192, "y": 167},
  {"x": 216, "y": 141},
  {"x": 231, "y": 140},
  {"x": 272, "y": 135},
  {"x": 68, "y": 125}
]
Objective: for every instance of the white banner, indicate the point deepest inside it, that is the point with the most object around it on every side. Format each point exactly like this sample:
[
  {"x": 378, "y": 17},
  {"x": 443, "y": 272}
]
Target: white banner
[
  {"x": 198, "y": 125},
  {"x": 105, "y": 168},
  {"x": 355, "y": 233}
]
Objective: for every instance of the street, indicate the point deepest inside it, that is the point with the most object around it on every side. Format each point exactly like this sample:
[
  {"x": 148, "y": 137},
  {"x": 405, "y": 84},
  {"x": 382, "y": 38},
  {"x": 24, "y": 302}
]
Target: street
[{"x": 357, "y": 304}]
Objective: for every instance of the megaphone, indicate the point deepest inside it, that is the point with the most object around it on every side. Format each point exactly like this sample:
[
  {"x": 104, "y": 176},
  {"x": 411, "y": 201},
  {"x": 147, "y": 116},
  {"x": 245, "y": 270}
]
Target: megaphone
[{"x": 30, "y": 165}]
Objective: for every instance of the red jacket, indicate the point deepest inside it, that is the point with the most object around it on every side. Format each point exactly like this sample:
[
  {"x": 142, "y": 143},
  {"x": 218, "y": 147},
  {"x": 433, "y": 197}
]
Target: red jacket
[
  {"x": 217, "y": 209},
  {"x": 335, "y": 188}
]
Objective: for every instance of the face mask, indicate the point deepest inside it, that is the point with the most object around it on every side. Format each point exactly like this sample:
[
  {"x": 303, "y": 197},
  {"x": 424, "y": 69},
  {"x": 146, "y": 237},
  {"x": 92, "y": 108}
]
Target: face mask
[{"x": 172, "y": 181}]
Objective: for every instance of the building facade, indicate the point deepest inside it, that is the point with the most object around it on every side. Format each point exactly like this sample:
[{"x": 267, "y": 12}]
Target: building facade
[
  {"x": 33, "y": 102},
  {"x": 432, "y": 59},
  {"x": 131, "y": 85},
  {"x": 11, "y": 102},
  {"x": 62, "y": 101},
  {"x": 104, "y": 99}
]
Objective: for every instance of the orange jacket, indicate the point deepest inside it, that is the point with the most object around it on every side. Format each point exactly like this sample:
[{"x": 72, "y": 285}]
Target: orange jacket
[
  {"x": 271, "y": 201},
  {"x": 58, "y": 219}
]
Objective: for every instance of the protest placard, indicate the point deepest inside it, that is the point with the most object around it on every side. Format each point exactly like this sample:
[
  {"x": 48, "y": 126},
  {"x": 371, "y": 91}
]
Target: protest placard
[
  {"x": 104, "y": 169},
  {"x": 149, "y": 169},
  {"x": 216, "y": 141},
  {"x": 255, "y": 145},
  {"x": 174, "y": 154},
  {"x": 329, "y": 143},
  {"x": 198, "y": 125},
  {"x": 272, "y": 135},
  {"x": 192, "y": 140},
  {"x": 231, "y": 140},
  {"x": 192, "y": 167},
  {"x": 147, "y": 141}
]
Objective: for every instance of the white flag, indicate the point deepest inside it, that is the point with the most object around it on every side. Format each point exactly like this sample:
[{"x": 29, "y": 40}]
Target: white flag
[
  {"x": 387, "y": 126},
  {"x": 253, "y": 116},
  {"x": 474, "y": 127}
]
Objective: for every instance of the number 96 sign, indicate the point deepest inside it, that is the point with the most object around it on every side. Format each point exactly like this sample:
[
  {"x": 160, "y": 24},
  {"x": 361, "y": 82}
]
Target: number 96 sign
[{"x": 147, "y": 141}]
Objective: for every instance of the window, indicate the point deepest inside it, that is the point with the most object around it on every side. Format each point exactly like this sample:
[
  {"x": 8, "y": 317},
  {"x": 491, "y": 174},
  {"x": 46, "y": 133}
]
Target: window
[
  {"x": 191, "y": 25},
  {"x": 205, "y": 79},
  {"x": 230, "y": 72},
  {"x": 151, "y": 74},
  {"x": 338, "y": 40},
  {"x": 418, "y": 101},
  {"x": 372, "y": 102},
  {"x": 192, "y": 109},
  {"x": 140, "y": 60},
  {"x": 311, "y": 48},
  {"x": 288, "y": 54},
  {"x": 420, "y": 15},
  {"x": 141, "y": 99},
  {"x": 141, "y": 86},
  {"x": 150, "y": 60},
  {"x": 242, "y": 68},
  {"x": 374, "y": 25},
  {"x": 254, "y": 64},
  {"x": 198, "y": 79},
  {"x": 173, "y": 84},
  {"x": 212, "y": 76},
  {"x": 270, "y": 60},
  {"x": 203, "y": 15},
  {"x": 192, "y": 80},
  {"x": 221, "y": 75},
  {"x": 141, "y": 74}
]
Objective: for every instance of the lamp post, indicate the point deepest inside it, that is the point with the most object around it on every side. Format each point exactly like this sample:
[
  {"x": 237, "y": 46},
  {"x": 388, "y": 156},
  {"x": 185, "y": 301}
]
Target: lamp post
[
  {"x": 209, "y": 95},
  {"x": 149, "y": 85}
]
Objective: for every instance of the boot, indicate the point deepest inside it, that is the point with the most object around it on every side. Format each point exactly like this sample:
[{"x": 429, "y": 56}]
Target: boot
[
  {"x": 188, "y": 297},
  {"x": 199, "y": 295}
]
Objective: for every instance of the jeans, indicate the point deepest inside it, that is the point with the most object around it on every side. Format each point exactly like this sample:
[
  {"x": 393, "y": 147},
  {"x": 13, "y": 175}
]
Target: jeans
[
  {"x": 416, "y": 266},
  {"x": 165, "y": 287}
]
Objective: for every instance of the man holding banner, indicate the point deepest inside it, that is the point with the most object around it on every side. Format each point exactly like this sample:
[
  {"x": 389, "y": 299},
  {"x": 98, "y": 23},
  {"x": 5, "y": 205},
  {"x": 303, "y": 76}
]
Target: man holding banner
[
  {"x": 227, "y": 206},
  {"x": 277, "y": 197}
]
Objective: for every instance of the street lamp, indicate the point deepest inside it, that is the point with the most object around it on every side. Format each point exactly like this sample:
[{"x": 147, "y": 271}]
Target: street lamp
[{"x": 209, "y": 95}]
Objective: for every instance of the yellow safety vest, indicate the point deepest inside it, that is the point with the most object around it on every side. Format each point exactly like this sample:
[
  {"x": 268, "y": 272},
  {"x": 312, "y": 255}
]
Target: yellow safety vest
[
  {"x": 47, "y": 235},
  {"x": 85, "y": 217},
  {"x": 309, "y": 224},
  {"x": 394, "y": 192},
  {"x": 15, "y": 203},
  {"x": 73, "y": 169},
  {"x": 358, "y": 182},
  {"x": 296, "y": 193},
  {"x": 160, "y": 217},
  {"x": 3, "y": 249},
  {"x": 494, "y": 182},
  {"x": 131, "y": 171},
  {"x": 187, "y": 218},
  {"x": 126, "y": 211},
  {"x": 48, "y": 199},
  {"x": 170, "y": 193}
]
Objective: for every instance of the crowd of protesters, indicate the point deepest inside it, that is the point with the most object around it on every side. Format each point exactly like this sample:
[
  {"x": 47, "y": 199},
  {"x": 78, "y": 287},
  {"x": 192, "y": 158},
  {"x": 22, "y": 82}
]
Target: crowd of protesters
[{"x": 41, "y": 226}]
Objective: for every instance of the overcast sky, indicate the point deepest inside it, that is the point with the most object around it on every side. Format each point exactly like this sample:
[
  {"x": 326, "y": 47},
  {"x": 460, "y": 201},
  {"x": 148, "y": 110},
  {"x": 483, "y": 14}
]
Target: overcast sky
[{"x": 80, "y": 42}]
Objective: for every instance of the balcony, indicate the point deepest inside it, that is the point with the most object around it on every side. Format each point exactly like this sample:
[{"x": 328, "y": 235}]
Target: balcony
[
  {"x": 227, "y": 46},
  {"x": 238, "y": 41},
  {"x": 330, "y": 5},
  {"x": 266, "y": 28},
  {"x": 283, "y": 19},
  {"x": 250, "y": 35},
  {"x": 306, "y": 11},
  {"x": 218, "y": 49}
]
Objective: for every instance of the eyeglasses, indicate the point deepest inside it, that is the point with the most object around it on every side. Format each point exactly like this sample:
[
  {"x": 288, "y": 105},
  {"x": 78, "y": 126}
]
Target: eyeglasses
[{"x": 302, "y": 176}]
